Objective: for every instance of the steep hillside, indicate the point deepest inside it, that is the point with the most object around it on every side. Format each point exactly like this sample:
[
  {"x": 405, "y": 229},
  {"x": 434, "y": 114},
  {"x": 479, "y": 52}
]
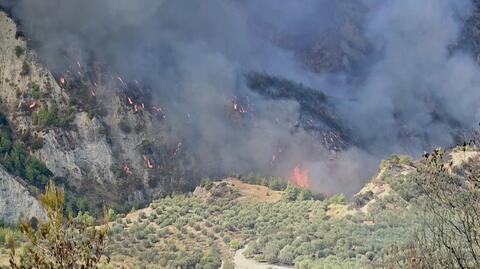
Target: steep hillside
[
  {"x": 106, "y": 139},
  {"x": 96, "y": 141},
  {"x": 317, "y": 113}
]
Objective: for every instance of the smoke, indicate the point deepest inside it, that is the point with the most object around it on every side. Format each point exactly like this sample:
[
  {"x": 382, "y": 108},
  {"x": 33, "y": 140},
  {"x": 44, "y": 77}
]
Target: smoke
[
  {"x": 195, "y": 54},
  {"x": 422, "y": 91}
]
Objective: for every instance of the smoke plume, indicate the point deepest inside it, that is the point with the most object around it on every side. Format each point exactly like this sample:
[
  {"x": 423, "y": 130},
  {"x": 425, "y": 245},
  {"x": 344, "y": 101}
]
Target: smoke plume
[{"x": 414, "y": 91}]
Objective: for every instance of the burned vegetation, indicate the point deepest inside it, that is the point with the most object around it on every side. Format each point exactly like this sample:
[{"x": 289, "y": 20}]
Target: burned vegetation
[{"x": 317, "y": 114}]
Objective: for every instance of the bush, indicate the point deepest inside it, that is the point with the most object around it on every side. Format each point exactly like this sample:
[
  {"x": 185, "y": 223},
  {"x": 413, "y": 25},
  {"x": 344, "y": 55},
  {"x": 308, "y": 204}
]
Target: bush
[
  {"x": 206, "y": 183},
  {"x": 118, "y": 171},
  {"x": 19, "y": 51},
  {"x": 9, "y": 235},
  {"x": 338, "y": 199},
  {"x": 79, "y": 243},
  {"x": 235, "y": 244},
  {"x": 5, "y": 142},
  {"x": 54, "y": 117},
  {"x": 26, "y": 69},
  {"x": 18, "y": 162}
]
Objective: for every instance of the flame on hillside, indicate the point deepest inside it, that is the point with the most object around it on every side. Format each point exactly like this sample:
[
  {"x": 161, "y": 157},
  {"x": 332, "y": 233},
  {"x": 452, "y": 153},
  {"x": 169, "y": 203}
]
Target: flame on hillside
[{"x": 300, "y": 177}]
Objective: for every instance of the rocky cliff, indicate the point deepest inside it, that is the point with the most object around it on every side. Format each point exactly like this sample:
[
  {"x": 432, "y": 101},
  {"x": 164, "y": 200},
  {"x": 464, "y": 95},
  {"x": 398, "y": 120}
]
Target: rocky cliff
[
  {"x": 16, "y": 202},
  {"x": 92, "y": 139}
]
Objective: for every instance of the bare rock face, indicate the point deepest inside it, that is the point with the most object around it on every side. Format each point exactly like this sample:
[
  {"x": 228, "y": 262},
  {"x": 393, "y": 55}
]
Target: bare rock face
[
  {"x": 16, "y": 202},
  {"x": 80, "y": 153},
  {"x": 119, "y": 156}
]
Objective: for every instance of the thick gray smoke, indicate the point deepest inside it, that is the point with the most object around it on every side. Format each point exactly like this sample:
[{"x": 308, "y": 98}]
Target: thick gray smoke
[
  {"x": 422, "y": 90},
  {"x": 195, "y": 53}
]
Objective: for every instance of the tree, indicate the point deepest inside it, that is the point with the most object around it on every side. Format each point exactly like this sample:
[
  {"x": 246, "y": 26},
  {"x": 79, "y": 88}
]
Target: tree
[
  {"x": 291, "y": 192},
  {"x": 287, "y": 255},
  {"x": 450, "y": 233},
  {"x": 60, "y": 242},
  {"x": 5, "y": 142}
]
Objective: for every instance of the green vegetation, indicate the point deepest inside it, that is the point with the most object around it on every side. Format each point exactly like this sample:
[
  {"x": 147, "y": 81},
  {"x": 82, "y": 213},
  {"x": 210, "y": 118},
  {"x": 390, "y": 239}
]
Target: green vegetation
[
  {"x": 274, "y": 183},
  {"x": 60, "y": 242},
  {"x": 296, "y": 230},
  {"x": 17, "y": 160},
  {"x": 19, "y": 51},
  {"x": 419, "y": 215},
  {"x": 313, "y": 102},
  {"x": 26, "y": 69},
  {"x": 449, "y": 210},
  {"x": 294, "y": 193},
  {"x": 53, "y": 116},
  {"x": 280, "y": 88}
]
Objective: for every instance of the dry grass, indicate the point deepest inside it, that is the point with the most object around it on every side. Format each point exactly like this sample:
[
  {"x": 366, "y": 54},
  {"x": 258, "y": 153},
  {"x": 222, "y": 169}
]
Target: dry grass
[{"x": 255, "y": 192}]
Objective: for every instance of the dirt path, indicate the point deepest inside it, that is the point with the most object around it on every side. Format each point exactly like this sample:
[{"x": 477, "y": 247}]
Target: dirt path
[{"x": 241, "y": 262}]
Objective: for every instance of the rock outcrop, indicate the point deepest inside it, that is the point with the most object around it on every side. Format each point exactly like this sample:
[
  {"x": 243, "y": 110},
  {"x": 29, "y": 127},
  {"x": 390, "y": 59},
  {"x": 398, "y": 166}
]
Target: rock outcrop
[
  {"x": 86, "y": 133},
  {"x": 16, "y": 202}
]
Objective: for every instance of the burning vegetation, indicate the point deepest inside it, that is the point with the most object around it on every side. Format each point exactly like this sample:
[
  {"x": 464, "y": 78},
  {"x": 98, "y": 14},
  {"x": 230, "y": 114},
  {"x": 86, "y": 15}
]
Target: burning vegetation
[{"x": 300, "y": 177}]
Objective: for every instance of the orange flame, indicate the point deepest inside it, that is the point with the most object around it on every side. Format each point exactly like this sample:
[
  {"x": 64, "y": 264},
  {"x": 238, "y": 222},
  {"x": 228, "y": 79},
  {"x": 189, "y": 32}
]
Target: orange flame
[
  {"x": 149, "y": 163},
  {"x": 123, "y": 82},
  {"x": 300, "y": 177},
  {"x": 127, "y": 169}
]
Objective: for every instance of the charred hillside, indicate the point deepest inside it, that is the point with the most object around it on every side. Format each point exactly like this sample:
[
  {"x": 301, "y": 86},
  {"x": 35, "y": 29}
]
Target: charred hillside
[{"x": 316, "y": 111}]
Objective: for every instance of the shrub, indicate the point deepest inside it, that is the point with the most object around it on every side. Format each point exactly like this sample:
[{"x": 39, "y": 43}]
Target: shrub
[
  {"x": 60, "y": 242},
  {"x": 206, "y": 183},
  {"x": 235, "y": 244},
  {"x": 18, "y": 162},
  {"x": 140, "y": 235},
  {"x": 55, "y": 117},
  {"x": 26, "y": 69},
  {"x": 19, "y": 51},
  {"x": 338, "y": 199},
  {"x": 5, "y": 142}
]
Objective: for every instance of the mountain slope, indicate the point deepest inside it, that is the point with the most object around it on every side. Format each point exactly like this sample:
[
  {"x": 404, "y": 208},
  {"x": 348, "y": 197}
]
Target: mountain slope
[{"x": 88, "y": 136}]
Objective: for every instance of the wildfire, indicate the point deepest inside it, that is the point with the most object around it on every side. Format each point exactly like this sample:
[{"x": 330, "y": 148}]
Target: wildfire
[
  {"x": 177, "y": 150},
  {"x": 276, "y": 155},
  {"x": 123, "y": 82},
  {"x": 237, "y": 107},
  {"x": 300, "y": 177},
  {"x": 158, "y": 111},
  {"x": 126, "y": 169},
  {"x": 157, "y": 108},
  {"x": 62, "y": 82},
  {"x": 32, "y": 105},
  {"x": 136, "y": 107},
  {"x": 149, "y": 163}
]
